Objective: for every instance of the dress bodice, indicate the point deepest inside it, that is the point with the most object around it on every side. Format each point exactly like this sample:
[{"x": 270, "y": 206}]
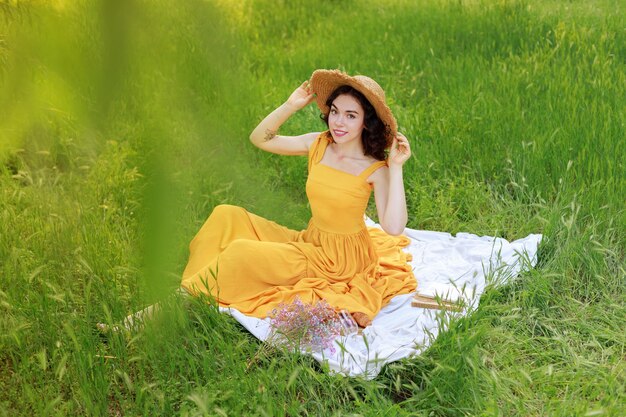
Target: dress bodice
[{"x": 338, "y": 199}]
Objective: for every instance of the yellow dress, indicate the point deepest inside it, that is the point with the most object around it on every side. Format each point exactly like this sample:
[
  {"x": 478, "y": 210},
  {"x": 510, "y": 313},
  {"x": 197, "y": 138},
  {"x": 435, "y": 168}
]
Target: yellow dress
[{"x": 253, "y": 264}]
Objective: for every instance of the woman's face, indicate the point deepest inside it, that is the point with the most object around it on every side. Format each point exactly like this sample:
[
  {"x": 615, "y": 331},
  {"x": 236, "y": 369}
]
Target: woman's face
[{"x": 346, "y": 119}]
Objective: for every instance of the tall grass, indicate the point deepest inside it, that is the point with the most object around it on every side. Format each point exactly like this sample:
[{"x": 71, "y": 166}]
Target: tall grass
[{"x": 123, "y": 123}]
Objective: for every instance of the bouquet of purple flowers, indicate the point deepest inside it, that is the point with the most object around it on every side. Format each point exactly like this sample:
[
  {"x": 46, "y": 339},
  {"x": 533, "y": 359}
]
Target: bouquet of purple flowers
[{"x": 311, "y": 327}]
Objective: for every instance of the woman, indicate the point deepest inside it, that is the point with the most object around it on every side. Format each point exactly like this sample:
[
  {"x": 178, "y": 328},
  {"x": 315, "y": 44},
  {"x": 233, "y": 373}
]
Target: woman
[{"x": 252, "y": 264}]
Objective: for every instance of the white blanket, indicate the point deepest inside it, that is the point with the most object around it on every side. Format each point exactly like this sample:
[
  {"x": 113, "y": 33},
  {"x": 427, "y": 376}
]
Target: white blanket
[{"x": 452, "y": 267}]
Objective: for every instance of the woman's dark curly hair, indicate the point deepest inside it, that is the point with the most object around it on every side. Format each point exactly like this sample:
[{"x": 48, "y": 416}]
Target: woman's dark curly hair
[{"x": 374, "y": 136}]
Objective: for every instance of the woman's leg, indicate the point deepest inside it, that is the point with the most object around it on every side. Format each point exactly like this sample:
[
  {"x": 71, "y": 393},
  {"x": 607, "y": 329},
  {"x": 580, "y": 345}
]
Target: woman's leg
[
  {"x": 225, "y": 225},
  {"x": 246, "y": 270},
  {"x": 136, "y": 320}
]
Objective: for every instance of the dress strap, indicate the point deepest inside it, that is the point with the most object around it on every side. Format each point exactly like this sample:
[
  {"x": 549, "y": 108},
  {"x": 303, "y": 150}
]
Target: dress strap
[
  {"x": 370, "y": 169},
  {"x": 317, "y": 149}
]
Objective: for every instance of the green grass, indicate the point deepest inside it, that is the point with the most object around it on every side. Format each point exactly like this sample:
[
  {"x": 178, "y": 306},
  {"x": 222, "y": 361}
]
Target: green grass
[{"x": 122, "y": 124}]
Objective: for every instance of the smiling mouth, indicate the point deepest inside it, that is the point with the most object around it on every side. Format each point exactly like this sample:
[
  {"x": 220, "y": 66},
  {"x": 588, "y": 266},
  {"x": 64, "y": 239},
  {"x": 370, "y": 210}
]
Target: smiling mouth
[{"x": 339, "y": 133}]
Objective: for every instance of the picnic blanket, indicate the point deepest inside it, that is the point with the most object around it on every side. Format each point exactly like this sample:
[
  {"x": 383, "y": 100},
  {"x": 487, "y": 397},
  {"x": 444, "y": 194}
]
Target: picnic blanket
[{"x": 454, "y": 268}]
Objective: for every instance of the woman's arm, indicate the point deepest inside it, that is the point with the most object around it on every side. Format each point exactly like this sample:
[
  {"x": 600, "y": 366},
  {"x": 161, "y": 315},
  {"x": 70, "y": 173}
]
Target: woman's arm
[
  {"x": 265, "y": 135},
  {"x": 389, "y": 188}
]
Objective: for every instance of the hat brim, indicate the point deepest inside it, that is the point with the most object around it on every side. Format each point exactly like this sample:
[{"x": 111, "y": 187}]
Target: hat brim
[{"x": 324, "y": 82}]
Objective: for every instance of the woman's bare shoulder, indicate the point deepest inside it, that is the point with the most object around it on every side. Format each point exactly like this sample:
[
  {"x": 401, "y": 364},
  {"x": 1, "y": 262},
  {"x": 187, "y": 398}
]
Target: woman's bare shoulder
[
  {"x": 381, "y": 175},
  {"x": 309, "y": 138}
]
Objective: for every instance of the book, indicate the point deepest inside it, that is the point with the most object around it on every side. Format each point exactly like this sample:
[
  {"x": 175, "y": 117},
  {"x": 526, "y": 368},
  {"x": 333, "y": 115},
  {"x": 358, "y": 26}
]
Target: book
[{"x": 435, "y": 303}]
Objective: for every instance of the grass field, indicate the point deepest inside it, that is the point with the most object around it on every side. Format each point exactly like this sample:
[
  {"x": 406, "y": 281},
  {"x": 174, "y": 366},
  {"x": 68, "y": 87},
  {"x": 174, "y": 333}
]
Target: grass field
[{"x": 123, "y": 123}]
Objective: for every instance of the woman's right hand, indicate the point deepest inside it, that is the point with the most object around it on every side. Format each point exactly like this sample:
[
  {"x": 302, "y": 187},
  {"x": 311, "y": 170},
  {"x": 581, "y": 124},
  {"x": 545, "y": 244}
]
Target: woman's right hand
[
  {"x": 265, "y": 136},
  {"x": 301, "y": 97}
]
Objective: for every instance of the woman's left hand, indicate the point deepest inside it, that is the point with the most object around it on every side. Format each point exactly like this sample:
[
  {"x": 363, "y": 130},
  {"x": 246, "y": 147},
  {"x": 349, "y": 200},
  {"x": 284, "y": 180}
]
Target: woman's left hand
[{"x": 400, "y": 150}]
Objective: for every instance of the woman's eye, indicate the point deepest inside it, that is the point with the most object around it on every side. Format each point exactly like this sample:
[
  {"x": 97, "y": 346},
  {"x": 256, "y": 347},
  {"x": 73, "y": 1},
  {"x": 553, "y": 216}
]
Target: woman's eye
[
  {"x": 333, "y": 111},
  {"x": 351, "y": 116}
]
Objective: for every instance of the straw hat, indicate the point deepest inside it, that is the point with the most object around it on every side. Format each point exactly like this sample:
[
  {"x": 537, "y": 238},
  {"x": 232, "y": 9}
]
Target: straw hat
[{"x": 324, "y": 82}]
